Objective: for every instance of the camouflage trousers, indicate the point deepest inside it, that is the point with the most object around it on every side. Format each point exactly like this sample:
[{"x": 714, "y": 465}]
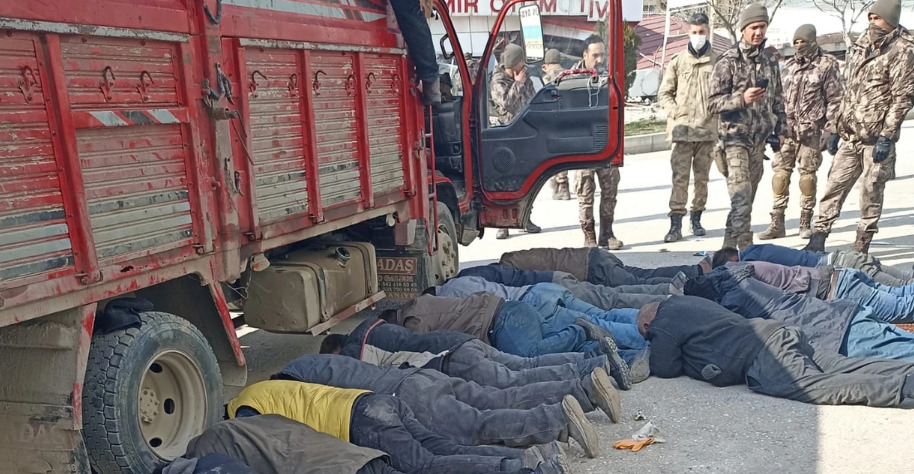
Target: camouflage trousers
[
  {"x": 561, "y": 177},
  {"x": 853, "y": 160},
  {"x": 807, "y": 157},
  {"x": 686, "y": 158},
  {"x": 586, "y": 188},
  {"x": 745, "y": 170}
]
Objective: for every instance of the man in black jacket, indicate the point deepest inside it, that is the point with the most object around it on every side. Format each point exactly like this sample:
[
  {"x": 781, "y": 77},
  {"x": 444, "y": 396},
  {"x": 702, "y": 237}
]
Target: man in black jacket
[{"x": 699, "y": 338}]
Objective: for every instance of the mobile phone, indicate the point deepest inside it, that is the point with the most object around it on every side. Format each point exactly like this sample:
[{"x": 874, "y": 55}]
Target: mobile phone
[{"x": 763, "y": 83}]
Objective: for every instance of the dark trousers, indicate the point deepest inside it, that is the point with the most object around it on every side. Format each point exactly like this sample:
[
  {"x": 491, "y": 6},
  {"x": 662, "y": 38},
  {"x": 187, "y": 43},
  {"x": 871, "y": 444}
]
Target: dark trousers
[
  {"x": 472, "y": 415},
  {"x": 478, "y": 362},
  {"x": 520, "y": 329},
  {"x": 418, "y": 37},
  {"x": 604, "y": 268},
  {"x": 788, "y": 367}
]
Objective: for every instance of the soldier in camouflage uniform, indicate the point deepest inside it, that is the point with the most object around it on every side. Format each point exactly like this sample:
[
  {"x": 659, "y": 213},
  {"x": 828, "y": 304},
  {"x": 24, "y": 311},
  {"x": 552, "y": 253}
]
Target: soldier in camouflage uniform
[
  {"x": 746, "y": 92},
  {"x": 879, "y": 93},
  {"x": 511, "y": 90},
  {"x": 693, "y": 131},
  {"x": 552, "y": 67},
  {"x": 586, "y": 188},
  {"x": 812, "y": 96}
]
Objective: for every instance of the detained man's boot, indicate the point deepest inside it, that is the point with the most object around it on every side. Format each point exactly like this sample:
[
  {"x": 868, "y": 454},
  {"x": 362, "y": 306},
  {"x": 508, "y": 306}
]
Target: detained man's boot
[
  {"x": 862, "y": 244},
  {"x": 776, "y": 229},
  {"x": 590, "y": 233},
  {"x": 806, "y": 223},
  {"x": 816, "y": 242},
  {"x": 431, "y": 92},
  {"x": 675, "y": 233},
  {"x": 697, "y": 229},
  {"x": 562, "y": 192}
]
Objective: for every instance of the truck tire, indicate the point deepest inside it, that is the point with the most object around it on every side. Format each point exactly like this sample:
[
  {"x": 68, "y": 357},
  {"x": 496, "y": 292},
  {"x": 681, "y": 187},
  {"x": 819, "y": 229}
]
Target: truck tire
[
  {"x": 148, "y": 391},
  {"x": 447, "y": 261}
]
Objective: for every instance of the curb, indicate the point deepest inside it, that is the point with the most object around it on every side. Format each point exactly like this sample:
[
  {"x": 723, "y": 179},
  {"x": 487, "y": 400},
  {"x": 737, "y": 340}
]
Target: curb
[{"x": 637, "y": 144}]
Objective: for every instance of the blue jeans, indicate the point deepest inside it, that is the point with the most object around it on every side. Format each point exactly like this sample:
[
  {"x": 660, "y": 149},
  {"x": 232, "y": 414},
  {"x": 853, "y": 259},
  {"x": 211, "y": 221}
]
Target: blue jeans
[
  {"x": 867, "y": 337},
  {"x": 888, "y": 303},
  {"x": 418, "y": 37},
  {"x": 783, "y": 255},
  {"x": 561, "y": 308},
  {"x": 521, "y": 330}
]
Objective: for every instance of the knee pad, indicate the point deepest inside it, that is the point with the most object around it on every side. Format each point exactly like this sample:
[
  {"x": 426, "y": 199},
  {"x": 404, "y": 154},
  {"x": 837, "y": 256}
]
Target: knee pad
[
  {"x": 808, "y": 184},
  {"x": 780, "y": 183}
]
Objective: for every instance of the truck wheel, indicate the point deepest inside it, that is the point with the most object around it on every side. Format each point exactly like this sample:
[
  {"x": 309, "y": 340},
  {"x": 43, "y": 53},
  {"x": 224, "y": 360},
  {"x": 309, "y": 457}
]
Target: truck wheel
[
  {"x": 448, "y": 259},
  {"x": 148, "y": 391}
]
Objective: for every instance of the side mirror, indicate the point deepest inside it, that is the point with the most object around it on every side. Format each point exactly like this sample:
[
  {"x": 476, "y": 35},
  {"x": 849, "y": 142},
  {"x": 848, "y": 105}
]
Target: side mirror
[{"x": 532, "y": 29}]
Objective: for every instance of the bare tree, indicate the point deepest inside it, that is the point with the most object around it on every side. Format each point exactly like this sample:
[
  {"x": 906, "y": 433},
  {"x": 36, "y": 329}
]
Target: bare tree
[
  {"x": 726, "y": 13},
  {"x": 848, "y": 11}
]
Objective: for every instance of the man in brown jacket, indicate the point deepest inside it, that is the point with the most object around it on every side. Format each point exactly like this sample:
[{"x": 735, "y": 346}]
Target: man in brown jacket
[
  {"x": 878, "y": 95},
  {"x": 693, "y": 131},
  {"x": 812, "y": 95}
]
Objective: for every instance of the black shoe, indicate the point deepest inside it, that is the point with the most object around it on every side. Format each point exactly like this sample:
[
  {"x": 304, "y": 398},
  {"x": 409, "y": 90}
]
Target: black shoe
[
  {"x": 532, "y": 228},
  {"x": 594, "y": 331},
  {"x": 618, "y": 369},
  {"x": 695, "y": 219},
  {"x": 816, "y": 242},
  {"x": 675, "y": 233}
]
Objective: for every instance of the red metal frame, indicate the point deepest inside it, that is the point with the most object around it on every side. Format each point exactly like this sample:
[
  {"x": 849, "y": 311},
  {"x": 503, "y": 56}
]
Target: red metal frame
[
  {"x": 361, "y": 111},
  {"x": 315, "y": 208}
]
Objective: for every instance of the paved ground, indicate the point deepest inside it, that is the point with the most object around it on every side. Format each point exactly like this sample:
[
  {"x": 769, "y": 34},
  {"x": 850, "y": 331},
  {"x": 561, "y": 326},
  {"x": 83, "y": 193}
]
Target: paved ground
[{"x": 708, "y": 429}]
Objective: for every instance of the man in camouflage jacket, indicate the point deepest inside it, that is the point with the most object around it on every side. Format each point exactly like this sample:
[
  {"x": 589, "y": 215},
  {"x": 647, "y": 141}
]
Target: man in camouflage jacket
[
  {"x": 511, "y": 90},
  {"x": 746, "y": 92},
  {"x": 878, "y": 95},
  {"x": 812, "y": 96},
  {"x": 693, "y": 131}
]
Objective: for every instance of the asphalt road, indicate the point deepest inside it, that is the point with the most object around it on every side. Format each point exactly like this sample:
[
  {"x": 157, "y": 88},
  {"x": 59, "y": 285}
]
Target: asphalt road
[{"x": 707, "y": 429}]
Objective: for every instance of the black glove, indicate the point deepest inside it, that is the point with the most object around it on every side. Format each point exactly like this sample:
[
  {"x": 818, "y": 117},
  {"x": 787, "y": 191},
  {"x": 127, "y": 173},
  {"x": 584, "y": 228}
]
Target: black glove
[
  {"x": 831, "y": 144},
  {"x": 774, "y": 142},
  {"x": 882, "y": 149}
]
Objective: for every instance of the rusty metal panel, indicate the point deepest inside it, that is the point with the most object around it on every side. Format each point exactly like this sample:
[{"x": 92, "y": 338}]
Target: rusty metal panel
[
  {"x": 386, "y": 130},
  {"x": 129, "y": 72},
  {"x": 136, "y": 188},
  {"x": 277, "y": 141},
  {"x": 336, "y": 125},
  {"x": 34, "y": 236}
]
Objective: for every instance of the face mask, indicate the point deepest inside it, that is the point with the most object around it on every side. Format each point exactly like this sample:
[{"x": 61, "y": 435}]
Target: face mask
[
  {"x": 803, "y": 50},
  {"x": 698, "y": 41},
  {"x": 876, "y": 33}
]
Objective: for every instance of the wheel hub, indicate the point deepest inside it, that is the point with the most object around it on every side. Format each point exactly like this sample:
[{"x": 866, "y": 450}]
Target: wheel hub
[{"x": 149, "y": 405}]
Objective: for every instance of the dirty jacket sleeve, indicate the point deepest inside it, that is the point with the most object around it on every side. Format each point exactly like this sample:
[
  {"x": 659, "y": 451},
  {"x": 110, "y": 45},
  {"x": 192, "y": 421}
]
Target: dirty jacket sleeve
[
  {"x": 722, "y": 97},
  {"x": 901, "y": 76},
  {"x": 667, "y": 93},
  {"x": 666, "y": 355}
]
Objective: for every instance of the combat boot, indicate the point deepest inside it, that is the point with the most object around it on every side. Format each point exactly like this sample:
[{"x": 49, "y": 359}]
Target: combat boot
[
  {"x": 729, "y": 239},
  {"x": 816, "y": 242},
  {"x": 607, "y": 239},
  {"x": 697, "y": 229},
  {"x": 862, "y": 244},
  {"x": 776, "y": 229},
  {"x": 675, "y": 233},
  {"x": 744, "y": 241},
  {"x": 590, "y": 234},
  {"x": 562, "y": 192},
  {"x": 805, "y": 223}
]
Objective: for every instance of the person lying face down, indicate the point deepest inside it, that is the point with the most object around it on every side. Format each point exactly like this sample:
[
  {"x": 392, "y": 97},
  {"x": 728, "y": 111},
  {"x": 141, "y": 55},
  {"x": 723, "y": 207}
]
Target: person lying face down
[
  {"x": 513, "y": 327},
  {"x": 885, "y": 274},
  {"x": 893, "y": 304},
  {"x": 359, "y": 416},
  {"x": 461, "y": 356},
  {"x": 836, "y": 325},
  {"x": 597, "y": 266},
  {"x": 462, "y": 411},
  {"x": 701, "y": 339}
]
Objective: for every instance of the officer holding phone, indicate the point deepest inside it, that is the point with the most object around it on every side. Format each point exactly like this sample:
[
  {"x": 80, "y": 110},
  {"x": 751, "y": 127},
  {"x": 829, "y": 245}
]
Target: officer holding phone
[{"x": 746, "y": 92}]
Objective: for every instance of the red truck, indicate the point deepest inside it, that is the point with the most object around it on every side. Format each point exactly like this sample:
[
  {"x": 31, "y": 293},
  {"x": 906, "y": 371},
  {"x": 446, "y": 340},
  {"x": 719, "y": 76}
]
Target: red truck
[{"x": 215, "y": 157}]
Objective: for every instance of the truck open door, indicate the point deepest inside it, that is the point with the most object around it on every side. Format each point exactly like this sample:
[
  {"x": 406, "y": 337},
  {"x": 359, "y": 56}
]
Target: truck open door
[{"x": 572, "y": 123}]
